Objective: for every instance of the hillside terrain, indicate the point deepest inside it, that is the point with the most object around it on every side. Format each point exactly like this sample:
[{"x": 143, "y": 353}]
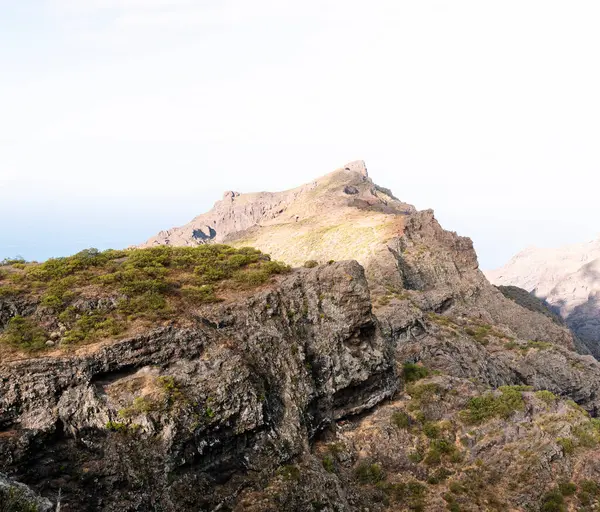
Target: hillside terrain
[
  {"x": 567, "y": 279},
  {"x": 354, "y": 359}
]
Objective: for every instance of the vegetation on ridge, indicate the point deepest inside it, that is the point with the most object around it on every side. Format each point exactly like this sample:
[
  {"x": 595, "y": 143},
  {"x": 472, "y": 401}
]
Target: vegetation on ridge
[{"x": 95, "y": 294}]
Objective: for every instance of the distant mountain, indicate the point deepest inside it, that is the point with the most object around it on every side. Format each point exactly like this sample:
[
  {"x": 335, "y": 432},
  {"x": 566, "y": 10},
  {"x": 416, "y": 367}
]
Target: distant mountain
[{"x": 567, "y": 279}]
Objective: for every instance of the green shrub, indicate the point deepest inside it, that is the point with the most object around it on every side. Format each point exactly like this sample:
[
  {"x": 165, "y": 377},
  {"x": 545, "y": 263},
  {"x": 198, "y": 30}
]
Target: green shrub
[
  {"x": 590, "y": 486},
  {"x": 24, "y": 334},
  {"x": 546, "y": 396},
  {"x": 311, "y": 264},
  {"x": 424, "y": 391},
  {"x": 367, "y": 473},
  {"x": 204, "y": 294},
  {"x": 456, "y": 487},
  {"x": 257, "y": 275},
  {"x": 567, "y": 488},
  {"x": 479, "y": 333},
  {"x": 329, "y": 464},
  {"x": 553, "y": 501},
  {"x": 401, "y": 419},
  {"x": 589, "y": 492},
  {"x": 140, "y": 405},
  {"x": 8, "y": 291},
  {"x": 92, "y": 325},
  {"x": 12, "y": 261},
  {"x": 440, "y": 475},
  {"x": 414, "y": 372},
  {"x": 440, "y": 448},
  {"x": 566, "y": 444},
  {"x": 150, "y": 305},
  {"x": 431, "y": 430},
  {"x": 410, "y": 494},
  {"x": 491, "y": 405},
  {"x": 416, "y": 456},
  {"x": 150, "y": 284},
  {"x": 115, "y": 426},
  {"x": 587, "y": 435}
]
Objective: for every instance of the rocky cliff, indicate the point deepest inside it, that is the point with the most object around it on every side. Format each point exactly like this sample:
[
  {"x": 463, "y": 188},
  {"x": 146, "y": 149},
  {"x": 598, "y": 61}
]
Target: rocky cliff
[
  {"x": 567, "y": 279},
  {"x": 187, "y": 376}
]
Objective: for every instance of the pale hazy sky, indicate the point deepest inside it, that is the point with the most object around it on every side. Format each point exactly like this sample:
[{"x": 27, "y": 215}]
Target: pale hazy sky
[{"x": 119, "y": 118}]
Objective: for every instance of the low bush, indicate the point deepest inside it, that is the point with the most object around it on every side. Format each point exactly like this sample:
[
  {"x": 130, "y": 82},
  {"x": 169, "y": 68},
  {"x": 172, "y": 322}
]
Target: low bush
[
  {"x": 25, "y": 334},
  {"x": 410, "y": 494},
  {"x": 546, "y": 396},
  {"x": 431, "y": 430},
  {"x": 442, "y": 449},
  {"x": 146, "y": 284},
  {"x": 438, "y": 476},
  {"x": 367, "y": 473},
  {"x": 311, "y": 264},
  {"x": 401, "y": 419},
  {"x": 12, "y": 261},
  {"x": 553, "y": 501},
  {"x": 566, "y": 444},
  {"x": 589, "y": 492},
  {"x": 204, "y": 294},
  {"x": 503, "y": 405},
  {"x": 567, "y": 488},
  {"x": 328, "y": 464},
  {"x": 414, "y": 372}
]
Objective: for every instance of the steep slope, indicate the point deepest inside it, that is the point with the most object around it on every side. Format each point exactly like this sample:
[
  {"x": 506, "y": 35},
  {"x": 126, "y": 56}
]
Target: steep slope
[
  {"x": 567, "y": 279},
  {"x": 205, "y": 377}
]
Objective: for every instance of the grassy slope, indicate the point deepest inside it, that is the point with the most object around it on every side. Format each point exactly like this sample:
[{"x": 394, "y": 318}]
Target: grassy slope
[
  {"x": 328, "y": 228},
  {"x": 93, "y": 295}
]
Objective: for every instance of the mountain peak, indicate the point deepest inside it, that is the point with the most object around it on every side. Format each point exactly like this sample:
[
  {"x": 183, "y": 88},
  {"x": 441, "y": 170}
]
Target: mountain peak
[
  {"x": 327, "y": 218},
  {"x": 357, "y": 166}
]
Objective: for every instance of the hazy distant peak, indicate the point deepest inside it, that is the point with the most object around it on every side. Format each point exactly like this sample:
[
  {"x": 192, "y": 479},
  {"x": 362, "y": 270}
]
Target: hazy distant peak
[{"x": 567, "y": 278}]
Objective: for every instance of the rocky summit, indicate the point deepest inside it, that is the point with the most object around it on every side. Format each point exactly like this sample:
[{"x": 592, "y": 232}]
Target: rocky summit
[
  {"x": 328, "y": 348},
  {"x": 567, "y": 279}
]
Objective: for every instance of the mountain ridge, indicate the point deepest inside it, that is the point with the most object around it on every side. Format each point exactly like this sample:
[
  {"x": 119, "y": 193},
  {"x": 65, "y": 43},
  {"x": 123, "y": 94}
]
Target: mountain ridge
[{"x": 211, "y": 377}]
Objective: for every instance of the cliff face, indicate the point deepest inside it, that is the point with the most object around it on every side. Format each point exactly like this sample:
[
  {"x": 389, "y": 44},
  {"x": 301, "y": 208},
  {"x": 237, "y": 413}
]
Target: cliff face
[
  {"x": 403, "y": 381},
  {"x": 184, "y": 414},
  {"x": 567, "y": 279}
]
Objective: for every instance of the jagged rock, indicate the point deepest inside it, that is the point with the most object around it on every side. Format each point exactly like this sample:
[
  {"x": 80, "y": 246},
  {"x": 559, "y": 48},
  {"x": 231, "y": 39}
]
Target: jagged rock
[
  {"x": 15, "y": 496},
  {"x": 13, "y": 306},
  {"x": 357, "y": 166}
]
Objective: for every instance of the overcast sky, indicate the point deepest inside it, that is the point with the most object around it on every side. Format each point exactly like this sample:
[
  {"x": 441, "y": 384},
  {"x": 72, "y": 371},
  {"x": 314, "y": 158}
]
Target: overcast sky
[{"x": 119, "y": 118}]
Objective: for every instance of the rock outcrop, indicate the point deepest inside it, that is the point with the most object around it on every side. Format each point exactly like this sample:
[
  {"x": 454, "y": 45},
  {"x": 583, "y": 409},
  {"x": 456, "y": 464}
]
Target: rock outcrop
[{"x": 186, "y": 412}]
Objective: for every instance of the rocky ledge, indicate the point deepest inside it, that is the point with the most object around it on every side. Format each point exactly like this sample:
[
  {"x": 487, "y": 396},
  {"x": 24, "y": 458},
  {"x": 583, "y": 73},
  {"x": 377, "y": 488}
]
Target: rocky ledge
[{"x": 193, "y": 415}]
